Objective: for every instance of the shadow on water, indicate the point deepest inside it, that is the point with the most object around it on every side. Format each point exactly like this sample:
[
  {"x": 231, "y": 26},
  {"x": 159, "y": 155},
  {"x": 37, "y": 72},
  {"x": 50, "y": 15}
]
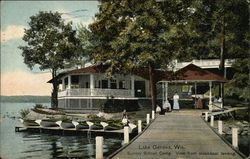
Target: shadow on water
[
  {"x": 36, "y": 145},
  {"x": 65, "y": 146},
  {"x": 244, "y": 143}
]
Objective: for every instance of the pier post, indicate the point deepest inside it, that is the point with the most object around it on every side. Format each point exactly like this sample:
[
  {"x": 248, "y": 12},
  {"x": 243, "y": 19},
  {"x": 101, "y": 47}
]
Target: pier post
[
  {"x": 126, "y": 134},
  {"x": 139, "y": 126},
  {"x": 99, "y": 147},
  {"x": 212, "y": 121},
  {"x": 148, "y": 118},
  {"x": 220, "y": 127},
  {"x": 235, "y": 137},
  {"x": 153, "y": 114},
  {"x": 206, "y": 116}
]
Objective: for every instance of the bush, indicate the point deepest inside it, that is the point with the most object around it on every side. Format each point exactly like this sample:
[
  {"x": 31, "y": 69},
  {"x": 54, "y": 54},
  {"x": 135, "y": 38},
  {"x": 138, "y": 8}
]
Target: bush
[
  {"x": 24, "y": 112},
  {"x": 40, "y": 106}
]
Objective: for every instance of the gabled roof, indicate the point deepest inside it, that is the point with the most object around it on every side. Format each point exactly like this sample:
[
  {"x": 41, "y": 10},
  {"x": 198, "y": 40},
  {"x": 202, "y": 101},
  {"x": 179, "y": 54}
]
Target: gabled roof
[{"x": 194, "y": 73}]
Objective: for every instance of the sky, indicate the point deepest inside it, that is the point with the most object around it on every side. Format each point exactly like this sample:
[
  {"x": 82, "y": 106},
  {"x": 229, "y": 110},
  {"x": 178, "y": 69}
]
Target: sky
[{"x": 16, "y": 77}]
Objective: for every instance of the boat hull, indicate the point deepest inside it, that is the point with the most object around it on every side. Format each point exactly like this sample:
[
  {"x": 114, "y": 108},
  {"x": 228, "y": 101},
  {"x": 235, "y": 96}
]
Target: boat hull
[
  {"x": 48, "y": 124},
  {"x": 66, "y": 125},
  {"x": 30, "y": 123}
]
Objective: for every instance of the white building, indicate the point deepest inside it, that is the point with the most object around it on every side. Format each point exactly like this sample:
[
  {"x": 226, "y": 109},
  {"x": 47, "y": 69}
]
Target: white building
[{"x": 88, "y": 89}]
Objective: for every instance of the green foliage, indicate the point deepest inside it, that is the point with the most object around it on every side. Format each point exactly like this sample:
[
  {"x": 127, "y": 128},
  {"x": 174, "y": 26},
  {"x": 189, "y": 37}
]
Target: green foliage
[
  {"x": 136, "y": 33},
  {"x": 50, "y": 42},
  {"x": 215, "y": 21},
  {"x": 88, "y": 41},
  {"x": 133, "y": 35},
  {"x": 207, "y": 22},
  {"x": 239, "y": 85},
  {"x": 115, "y": 123},
  {"x": 24, "y": 112},
  {"x": 39, "y": 106}
]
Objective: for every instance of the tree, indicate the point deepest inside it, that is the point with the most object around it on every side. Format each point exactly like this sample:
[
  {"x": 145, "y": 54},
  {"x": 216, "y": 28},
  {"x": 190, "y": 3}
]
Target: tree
[
  {"x": 240, "y": 84},
  {"x": 88, "y": 41},
  {"x": 50, "y": 44},
  {"x": 134, "y": 34},
  {"x": 221, "y": 29}
]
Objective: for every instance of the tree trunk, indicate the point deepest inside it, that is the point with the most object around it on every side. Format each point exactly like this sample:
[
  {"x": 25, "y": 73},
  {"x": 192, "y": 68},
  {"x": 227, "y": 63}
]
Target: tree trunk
[
  {"x": 152, "y": 85},
  {"x": 54, "y": 100},
  {"x": 222, "y": 58}
]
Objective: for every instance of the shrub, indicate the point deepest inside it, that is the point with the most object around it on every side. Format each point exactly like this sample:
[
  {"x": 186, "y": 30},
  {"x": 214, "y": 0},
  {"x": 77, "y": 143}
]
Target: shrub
[{"x": 24, "y": 112}]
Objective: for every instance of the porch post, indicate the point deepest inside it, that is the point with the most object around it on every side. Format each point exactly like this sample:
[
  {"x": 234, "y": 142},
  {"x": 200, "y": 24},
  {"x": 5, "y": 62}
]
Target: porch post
[
  {"x": 163, "y": 92},
  {"x": 63, "y": 83},
  {"x": 221, "y": 95},
  {"x": 166, "y": 91},
  {"x": 69, "y": 82},
  {"x": 195, "y": 91},
  {"x": 92, "y": 83},
  {"x": 210, "y": 95},
  {"x": 133, "y": 85}
]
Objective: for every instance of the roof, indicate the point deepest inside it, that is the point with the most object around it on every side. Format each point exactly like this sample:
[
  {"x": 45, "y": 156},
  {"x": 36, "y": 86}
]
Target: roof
[
  {"x": 90, "y": 69},
  {"x": 142, "y": 72},
  {"x": 194, "y": 73},
  {"x": 189, "y": 73}
]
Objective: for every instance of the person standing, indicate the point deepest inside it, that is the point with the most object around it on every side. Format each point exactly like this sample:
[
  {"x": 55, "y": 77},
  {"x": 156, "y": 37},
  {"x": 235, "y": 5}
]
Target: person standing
[
  {"x": 124, "y": 118},
  {"x": 176, "y": 101}
]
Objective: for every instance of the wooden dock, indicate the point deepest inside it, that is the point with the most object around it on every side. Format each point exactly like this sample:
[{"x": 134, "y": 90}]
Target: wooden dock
[
  {"x": 227, "y": 111},
  {"x": 178, "y": 135},
  {"x": 26, "y": 128},
  {"x": 73, "y": 131}
]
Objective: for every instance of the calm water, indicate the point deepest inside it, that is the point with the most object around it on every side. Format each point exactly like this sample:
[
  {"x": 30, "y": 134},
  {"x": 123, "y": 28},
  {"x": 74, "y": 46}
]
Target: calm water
[{"x": 23, "y": 145}]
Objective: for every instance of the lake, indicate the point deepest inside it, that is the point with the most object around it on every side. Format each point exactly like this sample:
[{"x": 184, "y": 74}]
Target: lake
[{"x": 23, "y": 145}]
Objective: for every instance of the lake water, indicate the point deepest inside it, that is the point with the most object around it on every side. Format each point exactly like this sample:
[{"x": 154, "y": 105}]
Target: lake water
[{"x": 23, "y": 145}]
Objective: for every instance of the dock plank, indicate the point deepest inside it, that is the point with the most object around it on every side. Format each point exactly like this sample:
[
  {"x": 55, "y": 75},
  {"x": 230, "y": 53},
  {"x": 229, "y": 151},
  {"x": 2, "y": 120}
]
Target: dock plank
[
  {"x": 178, "y": 136},
  {"x": 119, "y": 131}
]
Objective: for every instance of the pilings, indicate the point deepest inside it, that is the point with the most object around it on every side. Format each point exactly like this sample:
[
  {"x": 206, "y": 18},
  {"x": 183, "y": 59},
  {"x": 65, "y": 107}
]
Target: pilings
[
  {"x": 220, "y": 129},
  {"x": 153, "y": 114},
  {"x": 212, "y": 121},
  {"x": 99, "y": 147},
  {"x": 148, "y": 118},
  {"x": 235, "y": 137},
  {"x": 139, "y": 126},
  {"x": 206, "y": 116},
  {"x": 126, "y": 134}
]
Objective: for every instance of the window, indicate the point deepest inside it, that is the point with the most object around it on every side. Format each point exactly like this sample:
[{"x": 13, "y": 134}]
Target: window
[
  {"x": 113, "y": 84},
  {"x": 104, "y": 83},
  {"x": 122, "y": 84},
  {"x": 66, "y": 82},
  {"x": 87, "y": 85},
  {"x": 75, "y": 79},
  {"x": 97, "y": 83}
]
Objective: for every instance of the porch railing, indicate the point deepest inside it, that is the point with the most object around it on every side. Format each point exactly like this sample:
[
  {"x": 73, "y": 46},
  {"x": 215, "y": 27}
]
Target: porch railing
[{"x": 96, "y": 92}]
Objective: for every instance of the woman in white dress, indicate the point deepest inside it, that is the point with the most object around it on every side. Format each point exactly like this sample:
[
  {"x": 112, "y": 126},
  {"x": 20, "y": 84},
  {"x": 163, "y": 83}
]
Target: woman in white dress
[{"x": 176, "y": 102}]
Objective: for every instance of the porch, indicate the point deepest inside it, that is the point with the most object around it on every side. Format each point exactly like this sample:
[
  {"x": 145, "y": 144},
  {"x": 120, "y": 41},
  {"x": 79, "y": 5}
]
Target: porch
[
  {"x": 97, "y": 92},
  {"x": 97, "y": 85}
]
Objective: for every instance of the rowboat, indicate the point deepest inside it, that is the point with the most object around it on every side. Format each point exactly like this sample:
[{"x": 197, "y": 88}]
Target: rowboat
[
  {"x": 26, "y": 122},
  {"x": 46, "y": 123}
]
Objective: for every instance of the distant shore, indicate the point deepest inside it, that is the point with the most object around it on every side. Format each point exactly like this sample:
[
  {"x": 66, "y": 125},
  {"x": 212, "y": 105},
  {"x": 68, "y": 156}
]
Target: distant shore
[{"x": 25, "y": 99}]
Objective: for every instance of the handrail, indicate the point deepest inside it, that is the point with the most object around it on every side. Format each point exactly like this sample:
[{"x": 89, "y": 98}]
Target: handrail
[{"x": 96, "y": 92}]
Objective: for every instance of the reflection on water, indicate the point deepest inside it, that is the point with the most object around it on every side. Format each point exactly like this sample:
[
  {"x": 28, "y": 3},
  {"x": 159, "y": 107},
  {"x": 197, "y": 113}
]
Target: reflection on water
[
  {"x": 244, "y": 143},
  {"x": 23, "y": 145}
]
